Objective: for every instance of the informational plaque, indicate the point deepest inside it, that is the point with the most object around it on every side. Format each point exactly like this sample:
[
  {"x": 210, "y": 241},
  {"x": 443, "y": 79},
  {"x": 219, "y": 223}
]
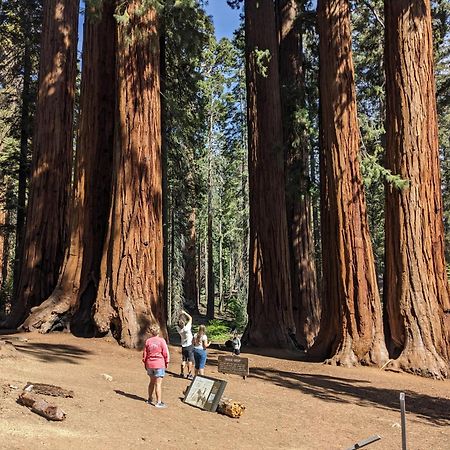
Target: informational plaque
[
  {"x": 205, "y": 392},
  {"x": 235, "y": 365}
]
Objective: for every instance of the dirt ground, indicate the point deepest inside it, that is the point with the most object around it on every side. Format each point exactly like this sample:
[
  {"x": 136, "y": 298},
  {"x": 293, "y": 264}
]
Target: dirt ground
[{"x": 290, "y": 404}]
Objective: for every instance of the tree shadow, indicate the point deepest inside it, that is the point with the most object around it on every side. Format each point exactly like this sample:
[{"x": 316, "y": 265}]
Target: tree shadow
[
  {"x": 343, "y": 390},
  {"x": 52, "y": 352},
  {"x": 128, "y": 395}
]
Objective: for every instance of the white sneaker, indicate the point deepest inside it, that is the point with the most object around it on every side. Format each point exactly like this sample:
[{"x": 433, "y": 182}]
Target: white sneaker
[{"x": 160, "y": 405}]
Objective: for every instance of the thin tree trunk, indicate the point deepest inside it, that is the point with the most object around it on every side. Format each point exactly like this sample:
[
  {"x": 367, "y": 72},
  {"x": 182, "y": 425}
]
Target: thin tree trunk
[
  {"x": 305, "y": 298},
  {"x": 270, "y": 318},
  {"x": 351, "y": 329},
  {"x": 190, "y": 265},
  {"x": 47, "y": 225},
  {"x": 220, "y": 266},
  {"x": 23, "y": 158},
  {"x": 75, "y": 293},
  {"x": 130, "y": 295},
  {"x": 210, "y": 267},
  {"x": 416, "y": 290}
]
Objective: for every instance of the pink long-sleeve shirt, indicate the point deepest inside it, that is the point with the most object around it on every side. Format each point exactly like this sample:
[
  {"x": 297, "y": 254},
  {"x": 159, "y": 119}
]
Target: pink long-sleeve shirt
[{"x": 156, "y": 354}]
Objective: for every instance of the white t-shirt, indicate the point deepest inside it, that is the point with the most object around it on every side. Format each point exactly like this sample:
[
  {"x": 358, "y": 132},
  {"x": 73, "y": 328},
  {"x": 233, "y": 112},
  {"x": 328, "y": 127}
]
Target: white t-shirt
[
  {"x": 203, "y": 339},
  {"x": 186, "y": 335}
]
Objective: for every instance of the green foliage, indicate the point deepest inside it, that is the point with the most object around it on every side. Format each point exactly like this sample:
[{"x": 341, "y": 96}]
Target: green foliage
[
  {"x": 218, "y": 330},
  {"x": 262, "y": 58}
]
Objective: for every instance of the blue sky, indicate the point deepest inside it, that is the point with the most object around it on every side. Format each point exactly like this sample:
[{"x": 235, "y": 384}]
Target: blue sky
[{"x": 226, "y": 20}]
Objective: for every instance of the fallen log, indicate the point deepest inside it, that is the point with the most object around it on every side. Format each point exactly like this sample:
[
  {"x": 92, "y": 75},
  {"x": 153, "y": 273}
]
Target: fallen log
[
  {"x": 48, "y": 389},
  {"x": 230, "y": 408},
  {"x": 40, "y": 406}
]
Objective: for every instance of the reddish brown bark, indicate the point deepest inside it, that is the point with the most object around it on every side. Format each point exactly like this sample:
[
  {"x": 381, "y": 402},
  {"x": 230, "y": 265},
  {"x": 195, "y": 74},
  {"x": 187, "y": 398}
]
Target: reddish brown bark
[
  {"x": 416, "y": 290},
  {"x": 46, "y": 228},
  {"x": 351, "y": 329},
  {"x": 130, "y": 294},
  {"x": 305, "y": 298},
  {"x": 76, "y": 289},
  {"x": 270, "y": 319}
]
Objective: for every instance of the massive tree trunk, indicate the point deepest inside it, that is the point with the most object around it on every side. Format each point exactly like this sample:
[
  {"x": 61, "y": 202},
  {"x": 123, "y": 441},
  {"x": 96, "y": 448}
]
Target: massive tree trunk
[
  {"x": 46, "y": 228},
  {"x": 305, "y": 298},
  {"x": 78, "y": 281},
  {"x": 351, "y": 330},
  {"x": 130, "y": 294},
  {"x": 416, "y": 290},
  {"x": 270, "y": 318}
]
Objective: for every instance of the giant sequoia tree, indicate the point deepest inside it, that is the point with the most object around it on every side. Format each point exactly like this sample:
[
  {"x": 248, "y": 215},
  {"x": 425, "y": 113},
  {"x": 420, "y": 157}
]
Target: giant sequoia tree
[
  {"x": 131, "y": 283},
  {"x": 270, "y": 319},
  {"x": 416, "y": 290},
  {"x": 351, "y": 326},
  {"x": 305, "y": 296},
  {"x": 77, "y": 284},
  {"x": 46, "y": 227}
]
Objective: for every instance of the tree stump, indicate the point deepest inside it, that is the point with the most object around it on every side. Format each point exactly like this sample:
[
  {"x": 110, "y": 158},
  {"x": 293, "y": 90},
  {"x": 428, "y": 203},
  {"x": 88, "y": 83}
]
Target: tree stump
[
  {"x": 230, "y": 408},
  {"x": 40, "y": 406}
]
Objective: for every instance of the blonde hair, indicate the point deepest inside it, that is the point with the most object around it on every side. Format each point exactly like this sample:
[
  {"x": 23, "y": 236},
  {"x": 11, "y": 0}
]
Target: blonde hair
[
  {"x": 201, "y": 332},
  {"x": 154, "y": 329}
]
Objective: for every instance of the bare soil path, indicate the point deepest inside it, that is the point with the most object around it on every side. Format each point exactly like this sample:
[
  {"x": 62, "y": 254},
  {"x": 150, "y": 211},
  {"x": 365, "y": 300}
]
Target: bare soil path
[{"x": 290, "y": 404}]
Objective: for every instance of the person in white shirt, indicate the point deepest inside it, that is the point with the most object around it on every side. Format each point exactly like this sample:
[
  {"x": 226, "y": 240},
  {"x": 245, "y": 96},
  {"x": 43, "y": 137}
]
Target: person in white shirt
[
  {"x": 201, "y": 343},
  {"x": 184, "y": 329},
  {"x": 236, "y": 343}
]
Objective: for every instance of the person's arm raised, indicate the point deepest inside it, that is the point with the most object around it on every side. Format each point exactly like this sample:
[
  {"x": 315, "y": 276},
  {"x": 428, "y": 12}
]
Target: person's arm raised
[{"x": 188, "y": 316}]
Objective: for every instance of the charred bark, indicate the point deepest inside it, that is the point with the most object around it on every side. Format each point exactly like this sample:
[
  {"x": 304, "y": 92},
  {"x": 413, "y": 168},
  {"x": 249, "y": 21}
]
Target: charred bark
[
  {"x": 270, "y": 319},
  {"x": 305, "y": 298},
  {"x": 71, "y": 302},
  {"x": 351, "y": 329},
  {"x": 416, "y": 290},
  {"x": 130, "y": 294},
  {"x": 47, "y": 225}
]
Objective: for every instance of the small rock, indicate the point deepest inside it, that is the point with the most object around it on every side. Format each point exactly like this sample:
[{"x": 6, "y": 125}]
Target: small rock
[{"x": 107, "y": 377}]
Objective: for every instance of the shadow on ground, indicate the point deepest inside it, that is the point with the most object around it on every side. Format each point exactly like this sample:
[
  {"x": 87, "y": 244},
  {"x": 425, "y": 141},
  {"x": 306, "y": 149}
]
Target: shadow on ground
[
  {"x": 49, "y": 352},
  {"x": 344, "y": 390},
  {"x": 128, "y": 395}
]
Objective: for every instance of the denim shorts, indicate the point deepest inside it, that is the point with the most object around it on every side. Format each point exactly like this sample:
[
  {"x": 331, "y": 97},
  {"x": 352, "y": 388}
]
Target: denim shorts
[
  {"x": 158, "y": 373},
  {"x": 200, "y": 358}
]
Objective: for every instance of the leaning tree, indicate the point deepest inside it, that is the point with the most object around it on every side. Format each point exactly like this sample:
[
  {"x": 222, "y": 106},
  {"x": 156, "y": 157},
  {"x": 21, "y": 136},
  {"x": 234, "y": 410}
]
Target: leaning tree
[
  {"x": 416, "y": 289},
  {"x": 351, "y": 329}
]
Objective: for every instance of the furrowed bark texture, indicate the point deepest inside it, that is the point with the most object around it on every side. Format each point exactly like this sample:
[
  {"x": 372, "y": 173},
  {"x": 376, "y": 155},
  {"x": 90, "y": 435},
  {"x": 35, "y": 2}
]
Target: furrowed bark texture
[
  {"x": 47, "y": 225},
  {"x": 89, "y": 210},
  {"x": 270, "y": 319},
  {"x": 416, "y": 290},
  {"x": 305, "y": 297},
  {"x": 130, "y": 295},
  {"x": 351, "y": 329}
]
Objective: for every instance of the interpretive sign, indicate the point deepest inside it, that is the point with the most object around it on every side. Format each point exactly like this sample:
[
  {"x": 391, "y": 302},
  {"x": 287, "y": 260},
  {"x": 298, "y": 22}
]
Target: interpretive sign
[
  {"x": 205, "y": 392},
  {"x": 233, "y": 364}
]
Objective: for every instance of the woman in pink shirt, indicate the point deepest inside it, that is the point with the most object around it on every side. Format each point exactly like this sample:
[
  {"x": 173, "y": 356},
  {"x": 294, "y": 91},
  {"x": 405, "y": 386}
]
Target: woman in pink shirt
[{"x": 155, "y": 359}]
